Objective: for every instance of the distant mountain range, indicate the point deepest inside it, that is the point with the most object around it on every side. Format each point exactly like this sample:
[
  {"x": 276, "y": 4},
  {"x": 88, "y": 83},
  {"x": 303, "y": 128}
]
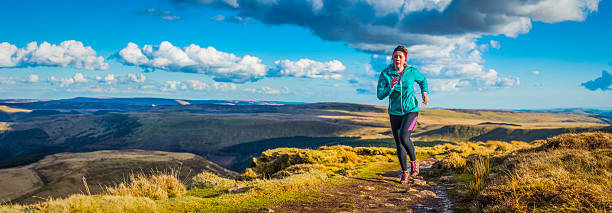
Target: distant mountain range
[
  {"x": 142, "y": 103},
  {"x": 146, "y": 101}
]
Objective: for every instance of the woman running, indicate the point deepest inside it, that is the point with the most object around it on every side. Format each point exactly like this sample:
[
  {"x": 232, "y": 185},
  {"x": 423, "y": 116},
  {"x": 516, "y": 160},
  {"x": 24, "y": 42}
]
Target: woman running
[{"x": 397, "y": 81}]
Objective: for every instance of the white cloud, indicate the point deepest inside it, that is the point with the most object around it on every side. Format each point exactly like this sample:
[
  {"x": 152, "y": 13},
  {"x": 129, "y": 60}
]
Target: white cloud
[
  {"x": 222, "y": 86},
  {"x": 78, "y": 77},
  {"x": 535, "y": 72},
  {"x": 218, "y": 18},
  {"x": 110, "y": 79},
  {"x": 163, "y": 14},
  {"x": 8, "y": 80},
  {"x": 495, "y": 44},
  {"x": 171, "y": 86},
  {"x": 310, "y": 69},
  {"x": 224, "y": 67},
  {"x": 267, "y": 90},
  {"x": 138, "y": 78},
  {"x": 68, "y": 53},
  {"x": 63, "y": 82},
  {"x": 33, "y": 78},
  {"x": 441, "y": 35},
  {"x": 171, "y": 18},
  {"x": 198, "y": 85}
]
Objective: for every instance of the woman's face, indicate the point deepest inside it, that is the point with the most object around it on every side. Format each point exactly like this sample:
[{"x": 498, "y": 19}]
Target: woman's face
[{"x": 398, "y": 59}]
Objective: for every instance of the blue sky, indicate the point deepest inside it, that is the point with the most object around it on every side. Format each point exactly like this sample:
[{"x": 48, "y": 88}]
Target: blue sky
[{"x": 504, "y": 55}]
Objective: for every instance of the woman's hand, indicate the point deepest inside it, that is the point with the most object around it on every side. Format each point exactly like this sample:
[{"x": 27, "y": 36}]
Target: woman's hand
[
  {"x": 394, "y": 81},
  {"x": 425, "y": 98}
]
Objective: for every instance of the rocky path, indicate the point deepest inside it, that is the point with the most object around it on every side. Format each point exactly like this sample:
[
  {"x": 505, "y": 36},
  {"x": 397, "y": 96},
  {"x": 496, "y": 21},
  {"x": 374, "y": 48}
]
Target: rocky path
[{"x": 382, "y": 193}]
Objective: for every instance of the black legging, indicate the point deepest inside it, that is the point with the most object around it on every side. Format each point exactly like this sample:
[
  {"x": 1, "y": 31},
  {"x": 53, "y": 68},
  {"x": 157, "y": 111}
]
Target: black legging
[{"x": 402, "y": 126}]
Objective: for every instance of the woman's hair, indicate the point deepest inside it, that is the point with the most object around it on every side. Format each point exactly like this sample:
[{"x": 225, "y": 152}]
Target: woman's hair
[{"x": 403, "y": 50}]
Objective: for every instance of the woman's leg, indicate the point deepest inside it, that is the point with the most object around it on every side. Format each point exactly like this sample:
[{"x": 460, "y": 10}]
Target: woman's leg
[
  {"x": 396, "y": 123},
  {"x": 407, "y": 126}
]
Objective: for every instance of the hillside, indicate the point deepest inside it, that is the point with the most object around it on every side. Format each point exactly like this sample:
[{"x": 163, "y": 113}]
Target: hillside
[
  {"x": 213, "y": 130},
  {"x": 569, "y": 172},
  {"x": 60, "y": 175}
]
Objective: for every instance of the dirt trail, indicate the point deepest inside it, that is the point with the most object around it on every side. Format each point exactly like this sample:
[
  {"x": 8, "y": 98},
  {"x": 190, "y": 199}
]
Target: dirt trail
[{"x": 381, "y": 193}]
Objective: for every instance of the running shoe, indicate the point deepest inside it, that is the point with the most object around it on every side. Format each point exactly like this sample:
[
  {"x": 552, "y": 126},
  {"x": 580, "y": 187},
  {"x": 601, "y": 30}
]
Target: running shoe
[{"x": 414, "y": 171}]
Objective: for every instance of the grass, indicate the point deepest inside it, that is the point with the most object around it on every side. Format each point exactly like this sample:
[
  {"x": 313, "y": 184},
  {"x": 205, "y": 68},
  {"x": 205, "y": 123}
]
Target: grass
[
  {"x": 302, "y": 171},
  {"x": 479, "y": 168},
  {"x": 156, "y": 187},
  {"x": 8, "y": 109},
  {"x": 565, "y": 173},
  {"x": 571, "y": 172}
]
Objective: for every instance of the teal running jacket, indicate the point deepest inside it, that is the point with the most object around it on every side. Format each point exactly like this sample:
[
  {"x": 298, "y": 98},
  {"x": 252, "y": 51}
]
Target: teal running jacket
[{"x": 401, "y": 98}]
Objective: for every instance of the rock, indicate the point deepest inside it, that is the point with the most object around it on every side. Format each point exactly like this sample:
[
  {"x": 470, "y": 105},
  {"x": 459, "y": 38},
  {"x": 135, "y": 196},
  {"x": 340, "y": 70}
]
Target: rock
[
  {"x": 432, "y": 183},
  {"x": 367, "y": 188},
  {"x": 372, "y": 205},
  {"x": 266, "y": 210},
  {"x": 419, "y": 182},
  {"x": 446, "y": 178},
  {"x": 402, "y": 199},
  {"x": 386, "y": 205},
  {"x": 239, "y": 190},
  {"x": 426, "y": 193},
  {"x": 412, "y": 191}
]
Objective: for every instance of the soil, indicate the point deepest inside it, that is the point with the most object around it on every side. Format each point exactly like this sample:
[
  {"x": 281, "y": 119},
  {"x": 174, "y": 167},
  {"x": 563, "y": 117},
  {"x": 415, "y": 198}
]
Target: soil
[{"x": 382, "y": 193}]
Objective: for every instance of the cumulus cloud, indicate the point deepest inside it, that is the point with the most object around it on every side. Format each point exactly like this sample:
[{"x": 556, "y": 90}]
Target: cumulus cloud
[
  {"x": 235, "y": 19},
  {"x": 33, "y": 78},
  {"x": 495, "y": 44},
  {"x": 162, "y": 14},
  {"x": 224, "y": 67},
  {"x": 388, "y": 22},
  {"x": 78, "y": 77},
  {"x": 603, "y": 83},
  {"x": 307, "y": 68},
  {"x": 68, "y": 53},
  {"x": 8, "y": 80},
  {"x": 535, "y": 72},
  {"x": 445, "y": 72},
  {"x": 173, "y": 85},
  {"x": 138, "y": 78},
  {"x": 198, "y": 85},
  {"x": 267, "y": 90},
  {"x": 63, "y": 82},
  {"x": 441, "y": 35}
]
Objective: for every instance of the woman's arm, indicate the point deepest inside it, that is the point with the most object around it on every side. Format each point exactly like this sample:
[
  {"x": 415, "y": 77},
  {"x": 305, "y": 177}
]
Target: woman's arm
[
  {"x": 383, "y": 89},
  {"x": 420, "y": 79}
]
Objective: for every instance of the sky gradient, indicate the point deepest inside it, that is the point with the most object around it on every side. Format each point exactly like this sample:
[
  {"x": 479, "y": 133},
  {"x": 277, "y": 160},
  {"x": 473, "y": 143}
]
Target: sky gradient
[{"x": 475, "y": 54}]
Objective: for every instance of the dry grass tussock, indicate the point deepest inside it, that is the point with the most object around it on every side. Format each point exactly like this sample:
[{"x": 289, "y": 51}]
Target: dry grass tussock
[
  {"x": 137, "y": 194},
  {"x": 570, "y": 173},
  {"x": 454, "y": 157},
  {"x": 209, "y": 180},
  {"x": 589, "y": 141},
  {"x": 160, "y": 186}
]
